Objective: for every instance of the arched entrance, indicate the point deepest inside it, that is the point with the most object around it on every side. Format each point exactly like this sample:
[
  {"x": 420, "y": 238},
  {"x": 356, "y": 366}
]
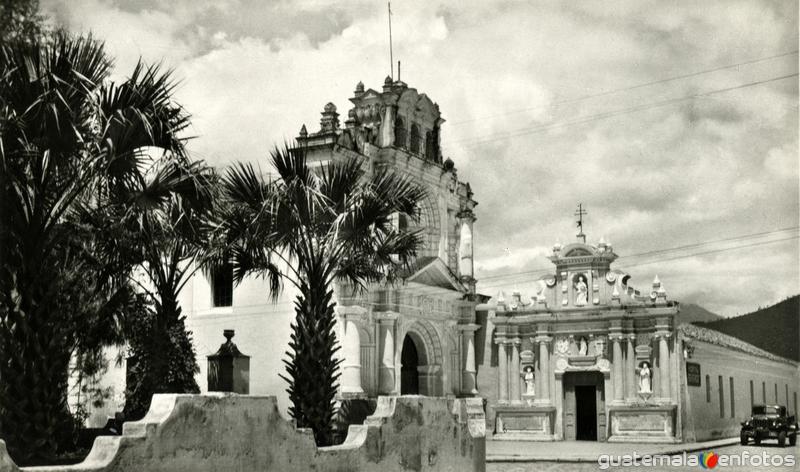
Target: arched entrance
[
  {"x": 421, "y": 361},
  {"x": 409, "y": 375}
]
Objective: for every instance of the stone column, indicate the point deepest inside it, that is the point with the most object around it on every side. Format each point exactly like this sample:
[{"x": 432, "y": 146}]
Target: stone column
[
  {"x": 630, "y": 367},
  {"x": 386, "y": 374},
  {"x": 351, "y": 365},
  {"x": 465, "y": 266},
  {"x": 514, "y": 378},
  {"x": 502, "y": 368},
  {"x": 663, "y": 364},
  {"x": 544, "y": 367},
  {"x": 618, "y": 371},
  {"x": 468, "y": 379}
]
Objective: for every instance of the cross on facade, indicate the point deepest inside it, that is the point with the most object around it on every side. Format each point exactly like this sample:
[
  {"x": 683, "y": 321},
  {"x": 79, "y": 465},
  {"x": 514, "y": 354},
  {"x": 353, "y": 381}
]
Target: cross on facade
[{"x": 580, "y": 214}]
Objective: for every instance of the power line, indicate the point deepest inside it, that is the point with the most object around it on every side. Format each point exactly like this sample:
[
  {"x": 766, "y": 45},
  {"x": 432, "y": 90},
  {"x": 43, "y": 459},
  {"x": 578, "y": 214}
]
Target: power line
[
  {"x": 599, "y": 116},
  {"x": 660, "y": 251},
  {"x": 632, "y": 87}
]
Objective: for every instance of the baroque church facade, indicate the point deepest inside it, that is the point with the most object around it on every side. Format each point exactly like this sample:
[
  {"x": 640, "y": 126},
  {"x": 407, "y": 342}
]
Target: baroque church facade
[{"x": 415, "y": 336}]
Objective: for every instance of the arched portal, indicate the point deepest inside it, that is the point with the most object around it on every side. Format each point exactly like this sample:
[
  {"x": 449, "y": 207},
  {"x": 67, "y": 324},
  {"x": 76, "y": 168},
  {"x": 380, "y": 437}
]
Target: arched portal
[
  {"x": 421, "y": 361},
  {"x": 409, "y": 375}
]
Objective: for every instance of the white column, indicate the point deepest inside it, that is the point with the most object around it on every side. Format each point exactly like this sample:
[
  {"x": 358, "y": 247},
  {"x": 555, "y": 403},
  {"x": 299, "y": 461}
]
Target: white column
[
  {"x": 386, "y": 375},
  {"x": 465, "y": 265},
  {"x": 514, "y": 378},
  {"x": 468, "y": 374},
  {"x": 351, "y": 365},
  {"x": 544, "y": 365},
  {"x": 663, "y": 364},
  {"x": 618, "y": 367},
  {"x": 630, "y": 367},
  {"x": 502, "y": 367}
]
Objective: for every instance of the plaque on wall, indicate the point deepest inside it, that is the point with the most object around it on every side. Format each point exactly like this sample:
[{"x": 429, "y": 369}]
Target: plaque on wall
[{"x": 693, "y": 374}]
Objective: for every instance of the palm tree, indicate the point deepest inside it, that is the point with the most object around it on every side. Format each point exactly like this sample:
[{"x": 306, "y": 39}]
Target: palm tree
[
  {"x": 313, "y": 227},
  {"x": 168, "y": 207},
  {"x": 68, "y": 139}
]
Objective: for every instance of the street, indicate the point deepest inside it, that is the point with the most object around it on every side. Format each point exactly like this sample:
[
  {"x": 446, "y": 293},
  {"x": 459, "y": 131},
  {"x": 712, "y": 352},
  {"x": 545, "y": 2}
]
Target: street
[{"x": 734, "y": 453}]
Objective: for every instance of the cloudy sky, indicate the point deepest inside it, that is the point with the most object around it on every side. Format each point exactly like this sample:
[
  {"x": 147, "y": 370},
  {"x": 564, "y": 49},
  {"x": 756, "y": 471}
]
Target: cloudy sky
[{"x": 674, "y": 122}]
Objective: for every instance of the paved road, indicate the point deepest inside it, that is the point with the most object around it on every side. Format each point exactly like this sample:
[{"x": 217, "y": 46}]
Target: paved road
[{"x": 750, "y": 464}]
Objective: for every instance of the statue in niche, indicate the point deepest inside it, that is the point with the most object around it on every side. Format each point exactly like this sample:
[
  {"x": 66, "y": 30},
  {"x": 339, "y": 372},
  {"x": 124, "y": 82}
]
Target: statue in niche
[
  {"x": 644, "y": 378},
  {"x": 581, "y": 291},
  {"x": 583, "y": 350},
  {"x": 529, "y": 380}
]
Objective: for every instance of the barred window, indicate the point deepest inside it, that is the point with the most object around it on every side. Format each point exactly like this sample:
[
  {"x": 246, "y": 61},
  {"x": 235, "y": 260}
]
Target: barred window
[
  {"x": 733, "y": 402},
  {"x": 708, "y": 389},
  {"x": 222, "y": 286},
  {"x": 721, "y": 397},
  {"x": 399, "y": 132},
  {"x": 752, "y": 398},
  {"x": 415, "y": 138}
]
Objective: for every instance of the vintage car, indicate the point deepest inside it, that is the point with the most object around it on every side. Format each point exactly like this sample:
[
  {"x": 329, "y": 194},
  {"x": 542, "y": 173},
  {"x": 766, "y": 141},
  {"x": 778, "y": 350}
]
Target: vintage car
[{"x": 769, "y": 422}]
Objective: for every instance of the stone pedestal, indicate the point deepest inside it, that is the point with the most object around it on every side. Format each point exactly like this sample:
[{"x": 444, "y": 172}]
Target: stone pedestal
[
  {"x": 643, "y": 423},
  {"x": 228, "y": 368},
  {"x": 515, "y": 423}
]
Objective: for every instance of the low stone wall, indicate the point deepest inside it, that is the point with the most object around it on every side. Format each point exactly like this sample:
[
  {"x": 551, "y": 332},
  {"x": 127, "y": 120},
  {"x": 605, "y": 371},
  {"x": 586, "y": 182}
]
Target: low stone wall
[{"x": 214, "y": 432}]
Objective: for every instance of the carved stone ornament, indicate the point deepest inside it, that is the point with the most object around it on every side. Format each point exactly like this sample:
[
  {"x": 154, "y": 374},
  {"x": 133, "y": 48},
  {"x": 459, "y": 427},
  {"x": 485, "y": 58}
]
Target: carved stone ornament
[
  {"x": 603, "y": 364},
  {"x": 562, "y": 363},
  {"x": 551, "y": 282},
  {"x": 611, "y": 277},
  {"x": 562, "y": 346}
]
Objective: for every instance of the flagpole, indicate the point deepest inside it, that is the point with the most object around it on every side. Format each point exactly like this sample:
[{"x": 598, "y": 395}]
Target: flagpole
[{"x": 391, "y": 57}]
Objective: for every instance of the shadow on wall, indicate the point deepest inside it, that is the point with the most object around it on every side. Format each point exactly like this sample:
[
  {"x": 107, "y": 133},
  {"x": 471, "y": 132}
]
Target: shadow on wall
[{"x": 212, "y": 432}]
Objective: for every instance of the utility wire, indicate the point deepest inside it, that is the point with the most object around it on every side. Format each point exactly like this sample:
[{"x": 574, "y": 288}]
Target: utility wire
[
  {"x": 470, "y": 142},
  {"x": 660, "y": 251},
  {"x": 632, "y": 87}
]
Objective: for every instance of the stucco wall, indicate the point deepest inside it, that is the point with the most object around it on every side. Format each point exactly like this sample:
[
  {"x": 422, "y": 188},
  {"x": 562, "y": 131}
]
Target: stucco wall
[
  {"x": 228, "y": 432},
  {"x": 702, "y": 416}
]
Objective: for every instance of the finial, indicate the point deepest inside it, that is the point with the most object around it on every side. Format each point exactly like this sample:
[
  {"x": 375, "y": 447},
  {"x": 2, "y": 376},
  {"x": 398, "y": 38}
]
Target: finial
[
  {"x": 359, "y": 88},
  {"x": 656, "y": 281},
  {"x": 303, "y": 131},
  {"x": 580, "y": 213},
  {"x": 228, "y": 333}
]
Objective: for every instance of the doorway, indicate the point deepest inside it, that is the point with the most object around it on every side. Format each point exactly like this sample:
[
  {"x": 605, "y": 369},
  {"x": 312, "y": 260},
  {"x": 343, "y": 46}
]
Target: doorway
[
  {"x": 585, "y": 413},
  {"x": 584, "y": 406},
  {"x": 409, "y": 373}
]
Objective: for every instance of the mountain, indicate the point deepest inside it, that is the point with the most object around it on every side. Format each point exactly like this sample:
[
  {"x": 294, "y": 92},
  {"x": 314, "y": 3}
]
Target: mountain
[
  {"x": 691, "y": 313},
  {"x": 775, "y": 329}
]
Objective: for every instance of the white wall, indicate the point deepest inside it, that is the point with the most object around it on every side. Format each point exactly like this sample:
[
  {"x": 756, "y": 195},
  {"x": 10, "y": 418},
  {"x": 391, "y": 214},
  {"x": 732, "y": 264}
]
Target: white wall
[{"x": 716, "y": 361}]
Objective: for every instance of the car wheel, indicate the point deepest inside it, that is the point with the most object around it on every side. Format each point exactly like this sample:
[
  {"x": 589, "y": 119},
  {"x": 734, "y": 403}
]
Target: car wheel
[
  {"x": 743, "y": 439},
  {"x": 793, "y": 439},
  {"x": 782, "y": 439}
]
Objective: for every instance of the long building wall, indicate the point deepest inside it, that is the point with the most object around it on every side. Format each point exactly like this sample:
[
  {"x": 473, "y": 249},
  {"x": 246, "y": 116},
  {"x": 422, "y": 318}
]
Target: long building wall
[{"x": 714, "y": 409}]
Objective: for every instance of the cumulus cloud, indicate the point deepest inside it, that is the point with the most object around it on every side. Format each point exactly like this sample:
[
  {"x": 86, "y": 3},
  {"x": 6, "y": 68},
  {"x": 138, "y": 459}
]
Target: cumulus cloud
[{"x": 545, "y": 108}]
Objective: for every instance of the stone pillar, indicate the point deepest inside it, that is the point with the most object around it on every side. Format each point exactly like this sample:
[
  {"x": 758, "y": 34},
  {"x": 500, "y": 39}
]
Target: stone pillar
[
  {"x": 630, "y": 367},
  {"x": 502, "y": 368},
  {"x": 618, "y": 371},
  {"x": 544, "y": 367},
  {"x": 513, "y": 375},
  {"x": 351, "y": 365},
  {"x": 465, "y": 265},
  {"x": 386, "y": 374},
  {"x": 663, "y": 365},
  {"x": 468, "y": 379}
]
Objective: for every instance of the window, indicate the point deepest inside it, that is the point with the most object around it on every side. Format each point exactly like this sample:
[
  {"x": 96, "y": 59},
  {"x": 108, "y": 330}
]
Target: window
[
  {"x": 763, "y": 392},
  {"x": 399, "y": 132},
  {"x": 733, "y": 402},
  {"x": 222, "y": 286},
  {"x": 776, "y": 392},
  {"x": 787, "y": 395},
  {"x": 708, "y": 389},
  {"x": 721, "y": 397},
  {"x": 752, "y": 399},
  {"x": 794, "y": 394},
  {"x": 415, "y": 137},
  {"x": 432, "y": 146}
]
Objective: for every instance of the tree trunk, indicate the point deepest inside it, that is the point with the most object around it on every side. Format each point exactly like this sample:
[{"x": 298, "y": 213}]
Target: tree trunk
[
  {"x": 311, "y": 367},
  {"x": 34, "y": 416}
]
